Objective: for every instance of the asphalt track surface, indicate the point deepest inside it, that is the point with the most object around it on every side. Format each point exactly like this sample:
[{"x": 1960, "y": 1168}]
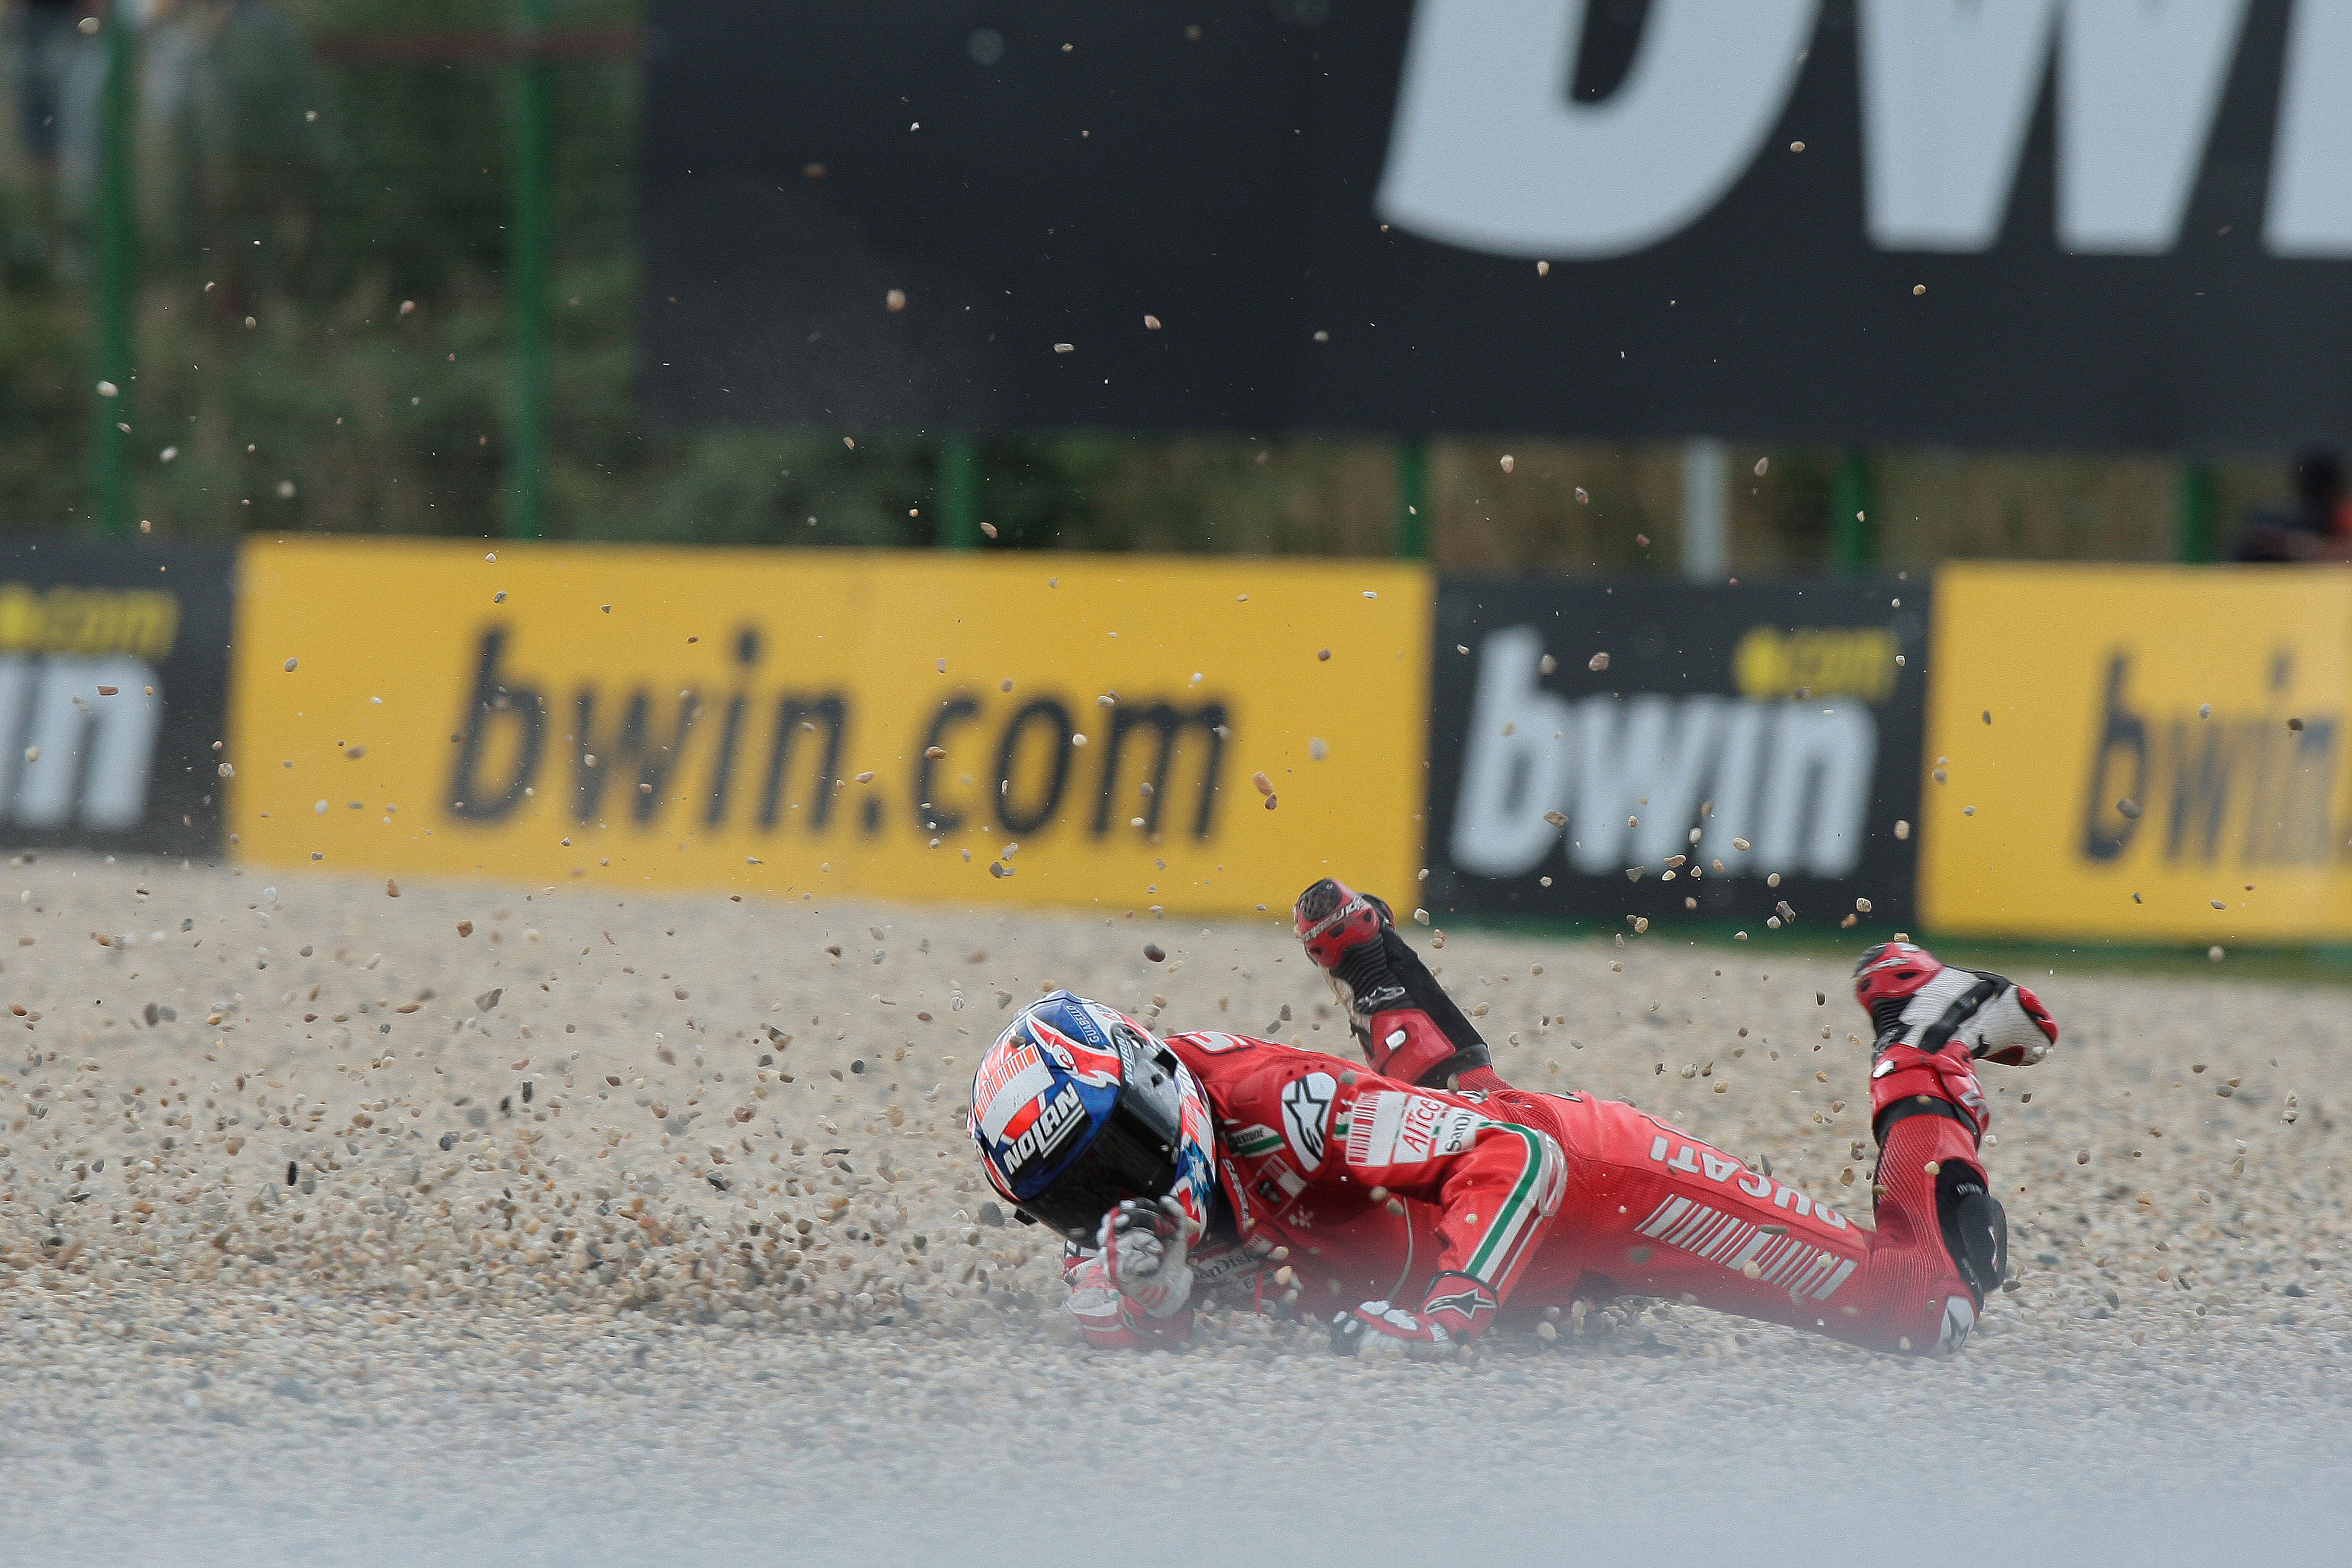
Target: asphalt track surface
[{"x": 481, "y": 1324}]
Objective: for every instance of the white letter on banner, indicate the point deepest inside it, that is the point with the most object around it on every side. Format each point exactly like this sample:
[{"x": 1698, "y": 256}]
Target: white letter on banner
[
  {"x": 1948, "y": 91},
  {"x": 2311, "y": 170},
  {"x": 17, "y": 676},
  {"x": 1647, "y": 748},
  {"x": 1489, "y": 151},
  {"x": 2139, "y": 83},
  {"x": 94, "y": 758},
  {"x": 1675, "y": 778},
  {"x": 1738, "y": 788},
  {"x": 1817, "y": 790},
  {"x": 1510, "y": 780},
  {"x": 1605, "y": 785}
]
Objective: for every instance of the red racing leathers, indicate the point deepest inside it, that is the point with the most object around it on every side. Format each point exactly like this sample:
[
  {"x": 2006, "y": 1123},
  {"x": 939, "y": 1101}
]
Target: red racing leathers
[{"x": 1366, "y": 1189}]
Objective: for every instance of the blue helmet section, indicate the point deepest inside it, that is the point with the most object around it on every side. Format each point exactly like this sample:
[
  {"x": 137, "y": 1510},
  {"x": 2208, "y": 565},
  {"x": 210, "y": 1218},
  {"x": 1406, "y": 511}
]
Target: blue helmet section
[
  {"x": 1076, "y": 1105},
  {"x": 1043, "y": 1091}
]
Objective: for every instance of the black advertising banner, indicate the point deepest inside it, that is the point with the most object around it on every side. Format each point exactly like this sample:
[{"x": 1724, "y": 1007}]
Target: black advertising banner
[
  {"x": 1601, "y": 748},
  {"x": 113, "y": 689},
  {"x": 2036, "y": 224}
]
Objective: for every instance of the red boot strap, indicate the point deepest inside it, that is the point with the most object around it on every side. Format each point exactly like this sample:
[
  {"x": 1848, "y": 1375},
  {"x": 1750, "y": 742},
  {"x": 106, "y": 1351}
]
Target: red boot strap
[
  {"x": 1426, "y": 1056},
  {"x": 1424, "y": 1050},
  {"x": 1910, "y": 1082}
]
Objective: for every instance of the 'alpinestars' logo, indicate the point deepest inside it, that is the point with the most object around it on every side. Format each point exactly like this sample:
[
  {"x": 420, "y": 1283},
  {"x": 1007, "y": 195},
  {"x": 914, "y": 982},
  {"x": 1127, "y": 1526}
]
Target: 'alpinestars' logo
[{"x": 1305, "y": 1114}]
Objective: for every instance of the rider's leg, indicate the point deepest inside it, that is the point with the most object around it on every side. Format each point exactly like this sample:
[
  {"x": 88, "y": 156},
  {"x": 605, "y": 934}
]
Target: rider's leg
[
  {"x": 1661, "y": 1214},
  {"x": 1409, "y": 1028}
]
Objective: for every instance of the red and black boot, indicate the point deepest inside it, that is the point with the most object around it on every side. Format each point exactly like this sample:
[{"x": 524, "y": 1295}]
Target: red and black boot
[
  {"x": 1409, "y": 1028},
  {"x": 1927, "y": 1112}
]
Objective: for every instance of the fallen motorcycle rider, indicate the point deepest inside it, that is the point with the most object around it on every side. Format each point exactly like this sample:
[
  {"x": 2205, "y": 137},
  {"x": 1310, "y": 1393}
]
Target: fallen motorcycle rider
[{"x": 1431, "y": 1201}]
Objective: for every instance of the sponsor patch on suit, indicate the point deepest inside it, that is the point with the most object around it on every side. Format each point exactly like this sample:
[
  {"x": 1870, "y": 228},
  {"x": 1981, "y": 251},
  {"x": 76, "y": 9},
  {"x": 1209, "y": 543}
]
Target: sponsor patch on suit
[{"x": 1402, "y": 1128}]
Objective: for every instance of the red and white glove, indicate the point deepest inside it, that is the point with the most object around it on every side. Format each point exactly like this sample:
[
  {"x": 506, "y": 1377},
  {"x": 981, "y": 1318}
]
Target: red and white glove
[
  {"x": 1914, "y": 999},
  {"x": 1996, "y": 1019},
  {"x": 1143, "y": 1247},
  {"x": 2014, "y": 1028},
  {"x": 1456, "y": 1310}
]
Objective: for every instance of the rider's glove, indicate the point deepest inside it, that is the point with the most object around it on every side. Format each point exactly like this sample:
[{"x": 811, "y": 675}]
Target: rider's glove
[
  {"x": 2014, "y": 1028},
  {"x": 1143, "y": 1245},
  {"x": 1996, "y": 1019},
  {"x": 1456, "y": 1312}
]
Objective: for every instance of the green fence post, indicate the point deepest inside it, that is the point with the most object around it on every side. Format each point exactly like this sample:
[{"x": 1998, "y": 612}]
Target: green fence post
[
  {"x": 2193, "y": 512},
  {"x": 526, "y": 267},
  {"x": 1853, "y": 540},
  {"x": 959, "y": 493},
  {"x": 117, "y": 267},
  {"x": 1412, "y": 498}
]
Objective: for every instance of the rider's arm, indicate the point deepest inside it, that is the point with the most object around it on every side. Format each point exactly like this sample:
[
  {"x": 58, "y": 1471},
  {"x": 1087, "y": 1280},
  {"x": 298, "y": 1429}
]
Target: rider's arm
[{"x": 1497, "y": 1184}]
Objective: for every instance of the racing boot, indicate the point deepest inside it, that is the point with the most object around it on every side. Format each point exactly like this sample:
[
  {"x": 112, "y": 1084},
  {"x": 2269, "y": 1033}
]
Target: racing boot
[
  {"x": 1408, "y": 1027},
  {"x": 1932, "y": 1024},
  {"x": 1927, "y": 1112}
]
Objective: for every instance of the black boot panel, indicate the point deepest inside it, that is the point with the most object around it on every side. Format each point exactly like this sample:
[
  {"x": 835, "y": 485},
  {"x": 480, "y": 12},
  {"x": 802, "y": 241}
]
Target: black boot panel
[
  {"x": 1372, "y": 982},
  {"x": 1422, "y": 991},
  {"x": 1469, "y": 1058},
  {"x": 1917, "y": 1105},
  {"x": 1975, "y": 1226}
]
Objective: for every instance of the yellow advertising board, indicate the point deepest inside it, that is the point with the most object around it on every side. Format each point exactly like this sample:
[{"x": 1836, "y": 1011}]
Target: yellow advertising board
[
  {"x": 2139, "y": 752},
  {"x": 997, "y": 729}
]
